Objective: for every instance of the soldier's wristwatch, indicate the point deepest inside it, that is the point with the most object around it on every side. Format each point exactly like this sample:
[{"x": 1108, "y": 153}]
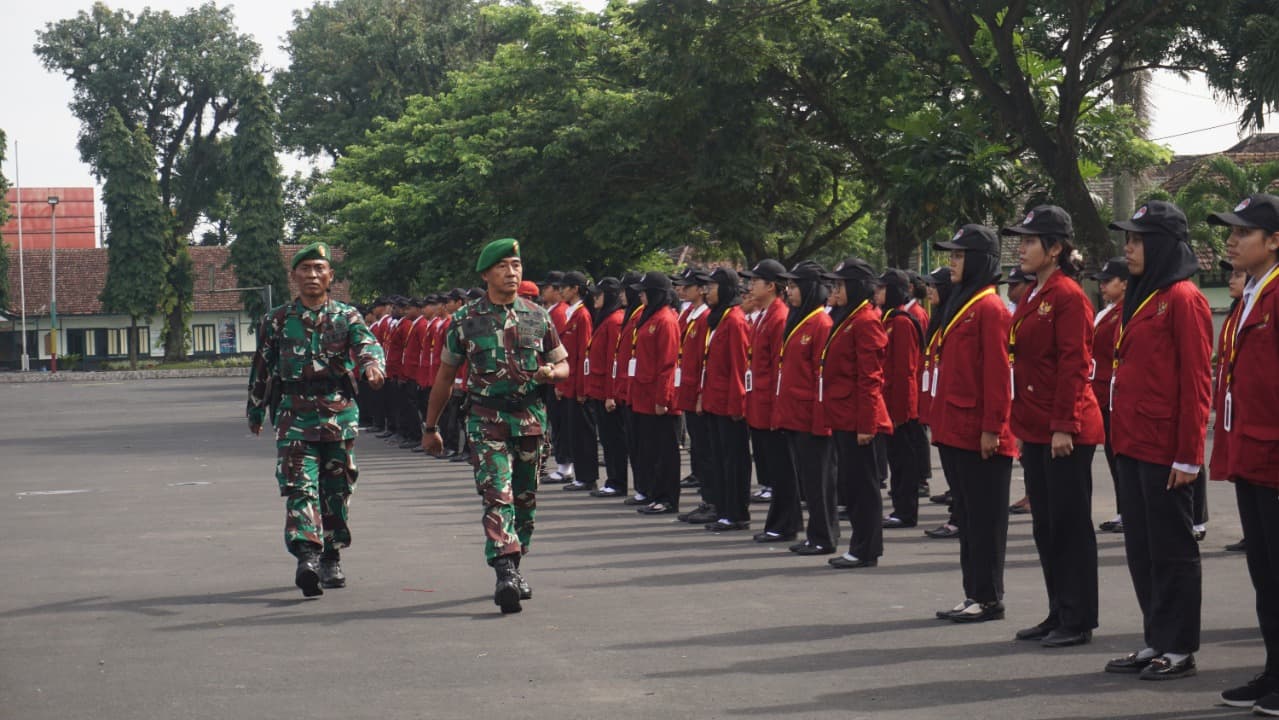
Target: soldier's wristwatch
[{"x": 431, "y": 428}]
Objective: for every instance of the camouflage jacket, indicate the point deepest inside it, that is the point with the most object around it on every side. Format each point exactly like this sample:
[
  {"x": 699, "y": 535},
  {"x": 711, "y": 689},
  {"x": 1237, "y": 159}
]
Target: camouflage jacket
[
  {"x": 503, "y": 346},
  {"x": 313, "y": 354}
]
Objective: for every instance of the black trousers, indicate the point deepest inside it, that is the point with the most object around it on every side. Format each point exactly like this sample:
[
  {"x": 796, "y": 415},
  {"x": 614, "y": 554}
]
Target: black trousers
[
  {"x": 1110, "y": 458},
  {"x": 728, "y": 466},
  {"x": 1199, "y": 497},
  {"x": 775, "y": 469},
  {"x": 858, "y": 479},
  {"x": 1163, "y": 557},
  {"x": 391, "y": 409},
  {"x": 699, "y": 451},
  {"x": 881, "y": 458},
  {"x": 408, "y": 421},
  {"x": 1259, "y": 514},
  {"x": 612, "y": 435},
  {"x": 561, "y": 416},
  {"x": 980, "y": 489},
  {"x": 1060, "y": 492},
  {"x": 585, "y": 445},
  {"x": 657, "y": 442},
  {"x": 632, "y": 451},
  {"x": 924, "y": 454},
  {"x": 449, "y": 420},
  {"x": 907, "y": 474},
  {"x": 814, "y": 460}
]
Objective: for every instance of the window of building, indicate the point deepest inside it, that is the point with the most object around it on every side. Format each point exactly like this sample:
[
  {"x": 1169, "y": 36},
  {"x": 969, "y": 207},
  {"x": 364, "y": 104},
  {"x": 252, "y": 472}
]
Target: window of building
[
  {"x": 204, "y": 339},
  {"x": 118, "y": 341}
]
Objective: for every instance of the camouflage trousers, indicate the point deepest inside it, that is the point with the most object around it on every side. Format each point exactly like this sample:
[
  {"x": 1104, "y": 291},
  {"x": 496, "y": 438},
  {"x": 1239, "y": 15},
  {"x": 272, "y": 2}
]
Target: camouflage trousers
[
  {"x": 317, "y": 479},
  {"x": 506, "y": 473}
]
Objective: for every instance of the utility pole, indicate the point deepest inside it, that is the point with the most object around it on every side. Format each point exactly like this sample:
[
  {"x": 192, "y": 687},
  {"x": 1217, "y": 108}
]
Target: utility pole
[{"x": 53, "y": 284}]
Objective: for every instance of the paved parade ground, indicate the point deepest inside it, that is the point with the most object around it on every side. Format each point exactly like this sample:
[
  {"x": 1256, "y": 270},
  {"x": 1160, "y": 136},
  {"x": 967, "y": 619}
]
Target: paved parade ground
[{"x": 145, "y": 577}]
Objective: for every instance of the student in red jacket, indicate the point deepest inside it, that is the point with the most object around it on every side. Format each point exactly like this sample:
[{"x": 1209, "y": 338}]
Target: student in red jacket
[
  {"x": 651, "y": 374},
  {"x": 969, "y": 416},
  {"x": 1055, "y": 415},
  {"x": 690, "y": 287},
  {"x": 773, "y": 468},
  {"x": 722, "y": 402},
  {"x": 1112, "y": 280},
  {"x": 597, "y": 370},
  {"x": 579, "y": 423},
  {"x": 797, "y": 412},
  {"x": 1225, "y": 339},
  {"x": 851, "y": 393},
  {"x": 901, "y": 394},
  {"x": 923, "y": 447},
  {"x": 557, "y": 411},
  {"x": 620, "y": 385},
  {"x": 1159, "y": 400},
  {"x": 1249, "y": 414}
]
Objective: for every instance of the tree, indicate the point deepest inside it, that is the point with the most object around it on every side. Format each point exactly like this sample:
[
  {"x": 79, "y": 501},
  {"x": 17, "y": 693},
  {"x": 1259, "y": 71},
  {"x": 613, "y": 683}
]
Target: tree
[
  {"x": 4, "y": 217},
  {"x": 1219, "y": 183},
  {"x": 354, "y": 61},
  {"x": 256, "y": 198},
  {"x": 136, "y": 226},
  {"x": 1095, "y": 45},
  {"x": 175, "y": 77}
]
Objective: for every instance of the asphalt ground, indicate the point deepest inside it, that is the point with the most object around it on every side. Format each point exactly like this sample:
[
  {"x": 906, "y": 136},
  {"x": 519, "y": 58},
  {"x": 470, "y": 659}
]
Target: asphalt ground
[{"x": 145, "y": 577}]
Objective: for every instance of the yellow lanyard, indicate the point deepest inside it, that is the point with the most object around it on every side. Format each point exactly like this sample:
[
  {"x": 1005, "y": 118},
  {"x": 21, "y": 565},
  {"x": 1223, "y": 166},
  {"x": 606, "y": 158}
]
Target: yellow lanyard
[
  {"x": 1119, "y": 334},
  {"x": 634, "y": 332},
  {"x": 941, "y": 336},
  {"x": 688, "y": 330},
  {"x": 1234, "y": 342},
  {"x": 782, "y": 353},
  {"x": 835, "y": 332}
]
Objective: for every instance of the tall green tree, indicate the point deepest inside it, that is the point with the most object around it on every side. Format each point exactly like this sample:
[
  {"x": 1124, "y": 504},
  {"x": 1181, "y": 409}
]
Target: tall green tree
[
  {"x": 1094, "y": 45},
  {"x": 257, "y": 200},
  {"x": 1219, "y": 183},
  {"x": 4, "y": 217},
  {"x": 136, "y": 226},
  {"x": 176, "y": 78},
  {"x": 353, "y": 61}
]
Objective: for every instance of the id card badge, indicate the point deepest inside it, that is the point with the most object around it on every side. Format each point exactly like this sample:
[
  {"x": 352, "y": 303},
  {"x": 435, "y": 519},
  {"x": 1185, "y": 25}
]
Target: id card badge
[
  {"x": 614, "y": 376},
  {"x": 1228, "y": 410},
  {"x": 586, "y": 366},
  {"x": 924, "y": 386},
  {"x": 936, "y": 369},
  {"x": 821, "y": 389},
  {"x": 630, "y": 368},
  {"x": 1112, "y": 393},
  {"x": 777, "y": 389},
  {"x": 1092, "y": 371},
  {"x": 748, "y": 381},
  {"x": 1012, "y": 383},
  {"x": 679, "y": 375}
]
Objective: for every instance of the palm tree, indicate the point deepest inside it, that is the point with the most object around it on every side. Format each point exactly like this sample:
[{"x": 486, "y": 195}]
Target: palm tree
[{"x": 1217, "y": 185}]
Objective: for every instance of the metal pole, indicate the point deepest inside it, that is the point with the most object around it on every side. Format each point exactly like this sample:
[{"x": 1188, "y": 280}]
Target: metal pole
[
  {"x": 22, "y": 271},
  {"x": 53, "y": 283}
]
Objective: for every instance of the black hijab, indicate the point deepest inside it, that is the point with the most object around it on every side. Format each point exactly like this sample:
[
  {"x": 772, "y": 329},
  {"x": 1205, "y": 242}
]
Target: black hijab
[
  {"x": 630, "y": 279},
  {"x": 981, "y": 270},
  {"x": 812, "y": 292},
  {"x": 611, "y": 290},
  {"x": 897, "y": 294},
  {"x": 730, "y": 295},
  {"x": 858, "y": 288},
  {"x": 1169, "y": 259},
  {"x": 661, "y": 294},
  {"x": 941, "y": 281}
]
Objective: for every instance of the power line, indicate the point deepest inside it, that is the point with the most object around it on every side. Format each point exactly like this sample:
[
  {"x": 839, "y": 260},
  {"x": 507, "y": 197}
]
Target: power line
[{"x": 1192, "y": 132}]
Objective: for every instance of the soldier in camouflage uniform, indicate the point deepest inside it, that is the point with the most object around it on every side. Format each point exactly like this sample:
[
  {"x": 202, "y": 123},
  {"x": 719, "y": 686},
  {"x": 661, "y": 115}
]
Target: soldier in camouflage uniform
[
  {"x": 303, "y": 372},
  {"x": 510, "y": 347}
]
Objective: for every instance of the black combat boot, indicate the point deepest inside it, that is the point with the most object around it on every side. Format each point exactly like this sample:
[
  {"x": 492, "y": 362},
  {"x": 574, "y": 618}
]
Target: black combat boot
[
  {"x": 331, "y": 575},
  {"x": 507, "y": 593},
  {"x": 308, "y": 574},
  {"x": 526, "y": 592}
]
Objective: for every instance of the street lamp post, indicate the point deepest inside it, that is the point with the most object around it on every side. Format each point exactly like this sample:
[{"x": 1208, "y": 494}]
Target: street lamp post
[{"x": 53, "y": 283}]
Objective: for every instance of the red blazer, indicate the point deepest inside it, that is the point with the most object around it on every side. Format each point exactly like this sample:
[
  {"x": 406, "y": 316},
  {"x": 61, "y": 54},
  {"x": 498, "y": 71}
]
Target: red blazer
[
  {"x": 559, "y": 316},
  {"x": 692, "y": 349},
  {"x": 973, "y": 392},
  {"x": 656, "y": 353},
  {"x": 599, "y": 381},
  {"x": 726, "y": 358},
  {"x": 395, "y": 349},
  {"x": 626, "y": 340},
  {"x": 901, "y": 366},
  {"x": 1219, "y": 465},
  {"x": 1251, "y": 445},
  {"x": 575, "y": 338},
  {"x": 1052, "y": 360},
  {"x": 852, "y": 375},
  {"x": 412, "y": 362},
  {"x": 766, "y": 338},
  {"x": 1103, "y": 354},
  {"x": 919, "y": 314},
  {"x": 798, "y": 359},
  {"x": 1162, "y": 389}
]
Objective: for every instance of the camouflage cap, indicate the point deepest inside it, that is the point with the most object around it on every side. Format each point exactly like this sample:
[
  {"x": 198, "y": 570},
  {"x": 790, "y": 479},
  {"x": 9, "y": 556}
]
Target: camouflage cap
[
  {"x": 314, "y": 251},
  {"x": 496, "y": 251}
]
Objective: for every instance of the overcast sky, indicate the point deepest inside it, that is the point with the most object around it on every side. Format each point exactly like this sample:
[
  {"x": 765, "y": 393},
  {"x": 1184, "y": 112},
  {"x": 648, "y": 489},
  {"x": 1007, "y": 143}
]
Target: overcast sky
[{"x": 33, "y": 111}]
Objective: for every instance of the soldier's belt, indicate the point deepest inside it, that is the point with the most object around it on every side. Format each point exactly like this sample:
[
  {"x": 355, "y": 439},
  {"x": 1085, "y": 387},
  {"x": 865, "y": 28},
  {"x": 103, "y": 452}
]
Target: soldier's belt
[
  {"x": 315, "y": 386},
  {"x": 505, "y": 404}
]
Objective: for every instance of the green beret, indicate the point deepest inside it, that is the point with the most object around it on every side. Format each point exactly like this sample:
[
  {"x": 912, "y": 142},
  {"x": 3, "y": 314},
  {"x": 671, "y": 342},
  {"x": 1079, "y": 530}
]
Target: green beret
[
  {"x": 496, "y": 251},
  {"x": 314, "y": 251}
]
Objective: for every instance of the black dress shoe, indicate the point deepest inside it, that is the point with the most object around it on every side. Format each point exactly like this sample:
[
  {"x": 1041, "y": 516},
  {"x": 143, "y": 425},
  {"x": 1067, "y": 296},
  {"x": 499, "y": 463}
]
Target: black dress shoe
[
  {"x": 943, "y": 532},
  {"x": 768, "y": 536},
  {"x": 947, "y": 614},
  {"x": 923, "y": 490},
  {"x": 1162, "y": 668},
  {"x": 690, "y": 481},
  {"x": 608, "y": 492},
  {"x": 1111, "y": 525},
  {"x": 1237, "y": 547},
  {"x": 728, "y": 525},
  {"x": 1130, "y": 664},
  {"x": 892, "y": 522},
  {"x": 385, "y": 434},
  {"x": 657, "y": 508},
  {"x": 943, "y": 499},
  {"x": 843, "y": 563},
  {"x": 576, "y": 486},
  {"x": 419, "y": 449},
  {"x": 979, "y": 612},
  {"x": 637, "y": 500},
  {"x": 1037, "y": 632},
  {"x": 1061, "y": 638},
  {"x": 806, "y": 548},
  {"x": 701, "y": 509}
]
